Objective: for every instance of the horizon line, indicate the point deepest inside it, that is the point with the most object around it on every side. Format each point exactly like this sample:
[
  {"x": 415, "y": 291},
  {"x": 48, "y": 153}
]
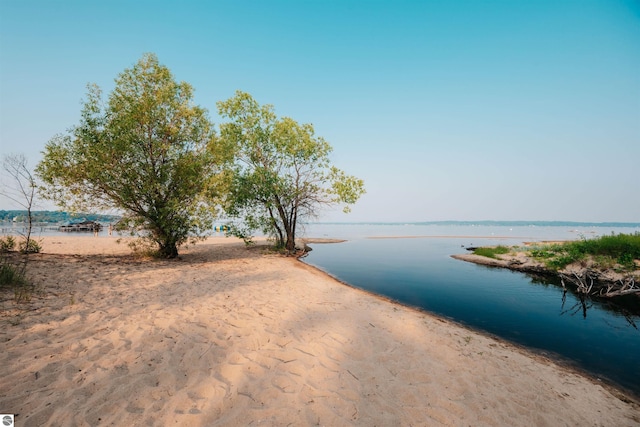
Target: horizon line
[{"x": 486, "y": 222}]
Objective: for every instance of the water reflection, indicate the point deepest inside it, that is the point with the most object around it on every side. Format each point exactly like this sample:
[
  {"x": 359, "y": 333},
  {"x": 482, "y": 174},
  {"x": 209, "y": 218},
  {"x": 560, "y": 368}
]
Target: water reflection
[
  {"x": 626, "y": 306},
  {"x": 582, "y": 305}
]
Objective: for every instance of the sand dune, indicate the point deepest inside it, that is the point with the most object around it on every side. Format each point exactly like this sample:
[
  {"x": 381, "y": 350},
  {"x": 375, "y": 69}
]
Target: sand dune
[{"x": 230, "y": 336}]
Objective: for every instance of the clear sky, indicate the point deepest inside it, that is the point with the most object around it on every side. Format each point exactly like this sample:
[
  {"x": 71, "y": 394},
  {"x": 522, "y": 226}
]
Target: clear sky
[{"x": 449, "y": 110}]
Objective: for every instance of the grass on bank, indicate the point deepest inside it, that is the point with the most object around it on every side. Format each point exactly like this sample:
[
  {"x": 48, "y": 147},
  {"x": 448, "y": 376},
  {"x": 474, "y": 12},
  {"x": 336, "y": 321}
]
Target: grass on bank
[
  {"x": 491, "y": 252},
  {"x": 615, "y": 251}
]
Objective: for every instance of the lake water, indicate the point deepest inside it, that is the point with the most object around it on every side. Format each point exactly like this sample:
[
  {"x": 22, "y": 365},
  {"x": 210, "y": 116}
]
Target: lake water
[{"x": 597, "y": 336}]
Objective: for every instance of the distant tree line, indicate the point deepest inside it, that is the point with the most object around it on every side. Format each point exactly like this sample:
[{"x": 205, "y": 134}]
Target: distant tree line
[{"x": 54, "y": 217}]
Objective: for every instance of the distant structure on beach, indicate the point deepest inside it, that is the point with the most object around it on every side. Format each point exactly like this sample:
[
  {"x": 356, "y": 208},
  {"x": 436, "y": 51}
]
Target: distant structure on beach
[{"x": 81, "y": 226}]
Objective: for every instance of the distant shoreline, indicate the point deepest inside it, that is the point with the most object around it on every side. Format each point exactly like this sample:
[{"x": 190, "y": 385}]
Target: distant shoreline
[
  {"x": 7, "y": 215},
  {"x": 493, "y": 223},
  {"x": 450, "y": 237}
]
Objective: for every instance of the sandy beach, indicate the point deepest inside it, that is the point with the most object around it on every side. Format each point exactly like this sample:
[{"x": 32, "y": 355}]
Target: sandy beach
[{"x": 230, "y": 336}]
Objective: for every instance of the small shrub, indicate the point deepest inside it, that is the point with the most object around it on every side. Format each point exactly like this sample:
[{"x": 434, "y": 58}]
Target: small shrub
[
  {"x": 32, "y": 248},
  {"x": 13, "y": 278},
  {"x": 626, "y": 261},
  {"x": 542, "y": 254},
  {"x": 560, "y": 262},
  {"x": 10, "y": 276},
  {"x": 7, "y": 244},
  {"x": 144, "y": 248}
]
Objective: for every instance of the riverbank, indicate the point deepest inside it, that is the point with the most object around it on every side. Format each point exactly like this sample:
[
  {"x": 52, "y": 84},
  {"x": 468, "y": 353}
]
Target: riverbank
[
  {"x": 586, "y": 276},
  {"x": 228, "y": 335}
]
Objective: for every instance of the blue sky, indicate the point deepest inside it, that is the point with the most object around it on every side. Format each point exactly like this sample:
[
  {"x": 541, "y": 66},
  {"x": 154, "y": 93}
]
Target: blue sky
[{"x": 449, "y": 110}]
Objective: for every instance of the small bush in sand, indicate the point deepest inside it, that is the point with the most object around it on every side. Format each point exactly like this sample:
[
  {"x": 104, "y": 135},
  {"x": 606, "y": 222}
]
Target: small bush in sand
[
  {"x": 29, "y": 246},
  {"x": 13, "y": 279},
  {"x": 7, "y": 244},
  {"x": 143, "y": 248}
]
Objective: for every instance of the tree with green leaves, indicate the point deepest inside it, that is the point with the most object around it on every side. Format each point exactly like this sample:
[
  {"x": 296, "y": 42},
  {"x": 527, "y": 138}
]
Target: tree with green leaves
[
  {"x": 282, "y": 173},
  {"x": 149, "y": 153}
]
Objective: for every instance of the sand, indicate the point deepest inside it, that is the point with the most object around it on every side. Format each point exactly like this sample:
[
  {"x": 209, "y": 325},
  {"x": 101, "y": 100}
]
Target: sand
[{"x": 233, "y": 336}]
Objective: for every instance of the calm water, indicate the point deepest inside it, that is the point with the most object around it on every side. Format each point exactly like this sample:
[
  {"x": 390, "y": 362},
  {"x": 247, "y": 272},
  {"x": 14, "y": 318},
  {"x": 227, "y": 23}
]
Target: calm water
[{"x": 513, "y": 306}]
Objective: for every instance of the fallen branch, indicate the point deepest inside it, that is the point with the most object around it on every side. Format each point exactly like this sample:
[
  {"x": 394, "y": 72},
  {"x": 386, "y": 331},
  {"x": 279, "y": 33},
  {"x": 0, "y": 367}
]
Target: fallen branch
[{"x": 626, "y": 287}]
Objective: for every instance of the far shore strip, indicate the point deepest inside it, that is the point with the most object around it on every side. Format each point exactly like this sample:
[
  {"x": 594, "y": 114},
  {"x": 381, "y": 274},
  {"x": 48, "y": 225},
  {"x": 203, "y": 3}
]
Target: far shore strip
[
  {"x": 449, "y": 237},
  {"x": 227, "y": 335}
]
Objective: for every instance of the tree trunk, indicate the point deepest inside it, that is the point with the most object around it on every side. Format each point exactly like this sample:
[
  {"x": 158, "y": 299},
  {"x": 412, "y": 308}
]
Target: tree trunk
[
  {"x": 280, "y": 236},
  {"x": 167, "y": 247},
  {"x": 291, "y": 236},
  {"x": 291, "y": 240},
  {"x": 27, "y": 243},
  {"x": 168, "y": 250},
  {"x": 289, "y": 229},
  {"x": 290, "y": 244}
]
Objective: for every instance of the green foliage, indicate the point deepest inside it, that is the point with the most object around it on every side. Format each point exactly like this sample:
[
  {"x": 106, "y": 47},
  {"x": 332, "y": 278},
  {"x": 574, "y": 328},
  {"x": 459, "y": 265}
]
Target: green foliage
[
  {"x": 13, "y": 279},
  {"x": 541, "y": 254},
  {"x": 7, "y": 244},
  {"x": 241, "y": 231},
  {"x": 148, "y": 152},
  {"x": 143, "y": 248},
  {"x": 29, "y": 246},
  {"x": 626, "y": 261},
  {"x": 606, "y": 251},
  {"x": 281, "y": 174},
  {"x": 491, "y": 252},
  {"x": 561, "y": 261},
  {"x": 25, "y": 246},
  {"x": 9, "y": 275}
]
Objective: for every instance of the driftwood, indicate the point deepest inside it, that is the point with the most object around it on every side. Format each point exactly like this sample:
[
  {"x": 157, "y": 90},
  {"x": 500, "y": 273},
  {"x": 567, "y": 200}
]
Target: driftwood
[
  {"x": 585, "y": 290},
  {"x": 627, "y": 287},
  {"x": 587, "y": 280}
]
